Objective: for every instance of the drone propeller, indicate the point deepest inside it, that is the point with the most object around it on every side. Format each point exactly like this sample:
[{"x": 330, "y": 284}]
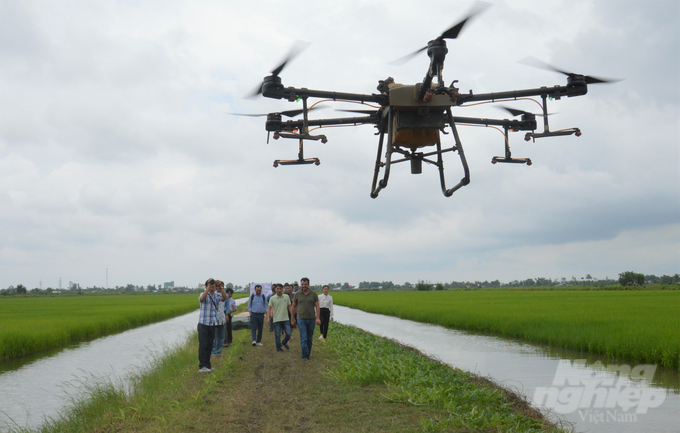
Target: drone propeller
[
  {"x": 360, "y": 111},
  {"x": 516, "y": 112},
  {"x": 451, "y": 33},
  {"x": 288, "y": 113},
  {"x": 530, "y": 61},
  {"x": 295, "y": 50}
]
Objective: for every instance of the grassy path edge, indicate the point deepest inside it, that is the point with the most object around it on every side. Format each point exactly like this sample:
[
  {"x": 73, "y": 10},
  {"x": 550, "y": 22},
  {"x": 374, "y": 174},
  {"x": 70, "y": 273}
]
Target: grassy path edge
[{"x": 370, "y": 383}]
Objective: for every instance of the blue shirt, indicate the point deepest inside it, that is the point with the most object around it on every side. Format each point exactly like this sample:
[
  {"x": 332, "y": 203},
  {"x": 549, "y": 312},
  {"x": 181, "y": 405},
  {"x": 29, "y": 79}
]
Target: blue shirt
[
  {"x": 207, "y": 315},
  {"x": 257, "y": 304},
  {"x": 229, "y": 305}
]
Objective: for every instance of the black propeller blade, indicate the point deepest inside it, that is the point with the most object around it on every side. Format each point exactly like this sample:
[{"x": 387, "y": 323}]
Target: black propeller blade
[
  {"x": 288, "y": 113},
  {"x": 295, "y": 50},
  {"x": 360, "y": 111},
  {"x": 516, "y": 112},
  {"x": 530, "y": 61},
  {"x": 451, "y": 33}
]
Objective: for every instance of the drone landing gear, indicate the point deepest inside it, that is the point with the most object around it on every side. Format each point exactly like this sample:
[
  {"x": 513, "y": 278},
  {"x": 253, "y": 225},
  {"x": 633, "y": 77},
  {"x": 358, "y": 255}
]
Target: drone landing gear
[
  {"x": 416, "y": 158},
  {"x": 315, "y": 161},
  {"x": 526, "y": 161},
  {"x": 301, "y": 159},
  {"x": 508, "y": 155},
  {"x": 534, "y": 135}
]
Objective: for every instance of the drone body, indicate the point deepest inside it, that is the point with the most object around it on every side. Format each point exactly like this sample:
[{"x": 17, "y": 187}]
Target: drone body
[{"x": 411, "y": 118}]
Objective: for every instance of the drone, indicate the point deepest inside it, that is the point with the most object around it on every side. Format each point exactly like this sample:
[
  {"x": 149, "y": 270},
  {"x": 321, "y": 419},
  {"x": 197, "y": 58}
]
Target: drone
[{"x": 410, "y": 119}]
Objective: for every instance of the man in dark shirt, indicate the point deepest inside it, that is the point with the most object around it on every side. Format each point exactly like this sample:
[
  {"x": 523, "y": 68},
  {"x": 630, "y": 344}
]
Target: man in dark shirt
[{"x": 306, "y": 305}]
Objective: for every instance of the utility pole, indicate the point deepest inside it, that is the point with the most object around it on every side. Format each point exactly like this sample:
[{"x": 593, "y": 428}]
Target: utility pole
[{"x": 107, "y": 278}]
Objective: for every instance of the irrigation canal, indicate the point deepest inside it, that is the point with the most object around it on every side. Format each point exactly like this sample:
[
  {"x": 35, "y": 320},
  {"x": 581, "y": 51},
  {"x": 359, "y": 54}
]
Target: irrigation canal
[{"x": 582, "y": 391}]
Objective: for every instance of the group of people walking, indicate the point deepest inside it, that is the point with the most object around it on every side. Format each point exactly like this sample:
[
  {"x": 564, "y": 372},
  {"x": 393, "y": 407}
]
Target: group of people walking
[{"x": 284, "y": 309}]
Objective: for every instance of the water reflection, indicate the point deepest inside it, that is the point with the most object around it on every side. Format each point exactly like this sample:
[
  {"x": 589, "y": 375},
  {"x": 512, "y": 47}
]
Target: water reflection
[
  {"x": 666, "y": 378},
  {"x": 583, "y": 392}
]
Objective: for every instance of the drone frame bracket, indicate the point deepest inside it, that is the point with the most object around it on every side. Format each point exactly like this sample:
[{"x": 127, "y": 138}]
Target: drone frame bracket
[{"x": 416, "y": 158}]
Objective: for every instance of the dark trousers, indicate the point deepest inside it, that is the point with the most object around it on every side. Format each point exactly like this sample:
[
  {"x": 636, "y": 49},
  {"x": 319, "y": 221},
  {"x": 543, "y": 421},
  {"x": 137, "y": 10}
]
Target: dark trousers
[
  {"x": 256, "y": 325},
  {"x": 230, "y": 336},
  {"x": 325, "y": 320},
  {"x": 206, "y": 336}
]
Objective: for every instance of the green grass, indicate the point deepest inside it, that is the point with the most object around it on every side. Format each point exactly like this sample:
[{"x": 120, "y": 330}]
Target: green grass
[
  {"x": 470, "y": 403},
  {"x": 32, "y": 324},
  {"x": 355, "y": 382},
  {"x": 640, "y": 326}
]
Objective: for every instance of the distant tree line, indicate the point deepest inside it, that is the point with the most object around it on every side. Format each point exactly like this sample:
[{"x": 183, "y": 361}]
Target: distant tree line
[
  {"x": 74, "y": 288},
  {"x": 625, "y": 279}
]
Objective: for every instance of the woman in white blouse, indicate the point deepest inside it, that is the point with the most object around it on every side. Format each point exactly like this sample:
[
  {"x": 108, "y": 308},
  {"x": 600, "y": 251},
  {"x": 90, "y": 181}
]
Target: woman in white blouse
[{"x": 326, "y": 312}]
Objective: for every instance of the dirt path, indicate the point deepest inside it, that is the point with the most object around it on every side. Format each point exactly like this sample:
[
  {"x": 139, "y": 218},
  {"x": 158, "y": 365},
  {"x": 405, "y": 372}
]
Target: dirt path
[{"x": 279, "y": 392}]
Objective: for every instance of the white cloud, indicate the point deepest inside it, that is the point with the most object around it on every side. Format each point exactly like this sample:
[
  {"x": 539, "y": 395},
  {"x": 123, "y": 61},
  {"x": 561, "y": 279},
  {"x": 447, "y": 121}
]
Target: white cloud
[{"x": 116, "y": 150}]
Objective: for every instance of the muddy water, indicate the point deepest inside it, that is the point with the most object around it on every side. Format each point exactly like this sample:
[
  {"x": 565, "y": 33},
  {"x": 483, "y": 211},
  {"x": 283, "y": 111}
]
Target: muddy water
[
  {"x": 591, "y": 393},
  {"x": 585, "y": 393}
]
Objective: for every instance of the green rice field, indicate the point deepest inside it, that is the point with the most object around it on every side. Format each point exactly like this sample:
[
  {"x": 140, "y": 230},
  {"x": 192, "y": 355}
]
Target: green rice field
[
  {"x": 639, "y": 326},
  {"x": 32, "y": 324}
]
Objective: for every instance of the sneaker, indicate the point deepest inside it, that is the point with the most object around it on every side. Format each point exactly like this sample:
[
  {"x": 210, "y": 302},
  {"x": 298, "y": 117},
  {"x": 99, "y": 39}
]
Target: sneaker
[
  {"x": 279, "y": 350},
  {"x": 254, "y": 342},
  {"x": 321, "y": 337},
  {"x": 259, "y": 344},
  {"x": 205, "y": 370},
  {"x": 286, "y": 346}
]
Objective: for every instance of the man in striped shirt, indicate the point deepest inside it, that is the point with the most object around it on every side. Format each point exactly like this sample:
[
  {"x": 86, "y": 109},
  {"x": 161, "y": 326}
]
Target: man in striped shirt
[{"x": 207, "y": 323}]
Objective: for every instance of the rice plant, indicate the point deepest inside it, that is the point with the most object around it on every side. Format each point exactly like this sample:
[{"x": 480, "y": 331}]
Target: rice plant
[{"x": 30, "y": 325}]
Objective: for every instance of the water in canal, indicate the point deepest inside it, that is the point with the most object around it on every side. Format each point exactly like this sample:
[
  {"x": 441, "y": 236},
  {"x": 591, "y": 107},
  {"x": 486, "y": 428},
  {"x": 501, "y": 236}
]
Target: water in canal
[{"x": 592, "y": 394}]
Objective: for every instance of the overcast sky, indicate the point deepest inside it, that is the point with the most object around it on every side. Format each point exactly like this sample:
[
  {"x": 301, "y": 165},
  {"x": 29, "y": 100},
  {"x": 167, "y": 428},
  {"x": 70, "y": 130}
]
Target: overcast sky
[{"x": 116, "y": 149}]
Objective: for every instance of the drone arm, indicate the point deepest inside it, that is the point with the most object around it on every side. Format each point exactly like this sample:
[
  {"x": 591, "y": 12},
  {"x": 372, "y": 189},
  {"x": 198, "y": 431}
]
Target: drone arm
[
  {"x": 277, "y": 91},
  {"x": 574, "y": 89},
  {"x": 516, "y": 125},
  {"x": 290, "y": 125}
]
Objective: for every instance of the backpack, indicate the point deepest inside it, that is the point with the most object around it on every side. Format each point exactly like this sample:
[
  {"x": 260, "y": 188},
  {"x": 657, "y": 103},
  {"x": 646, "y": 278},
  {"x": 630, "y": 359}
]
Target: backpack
[{"x": 263, "y": 300}]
